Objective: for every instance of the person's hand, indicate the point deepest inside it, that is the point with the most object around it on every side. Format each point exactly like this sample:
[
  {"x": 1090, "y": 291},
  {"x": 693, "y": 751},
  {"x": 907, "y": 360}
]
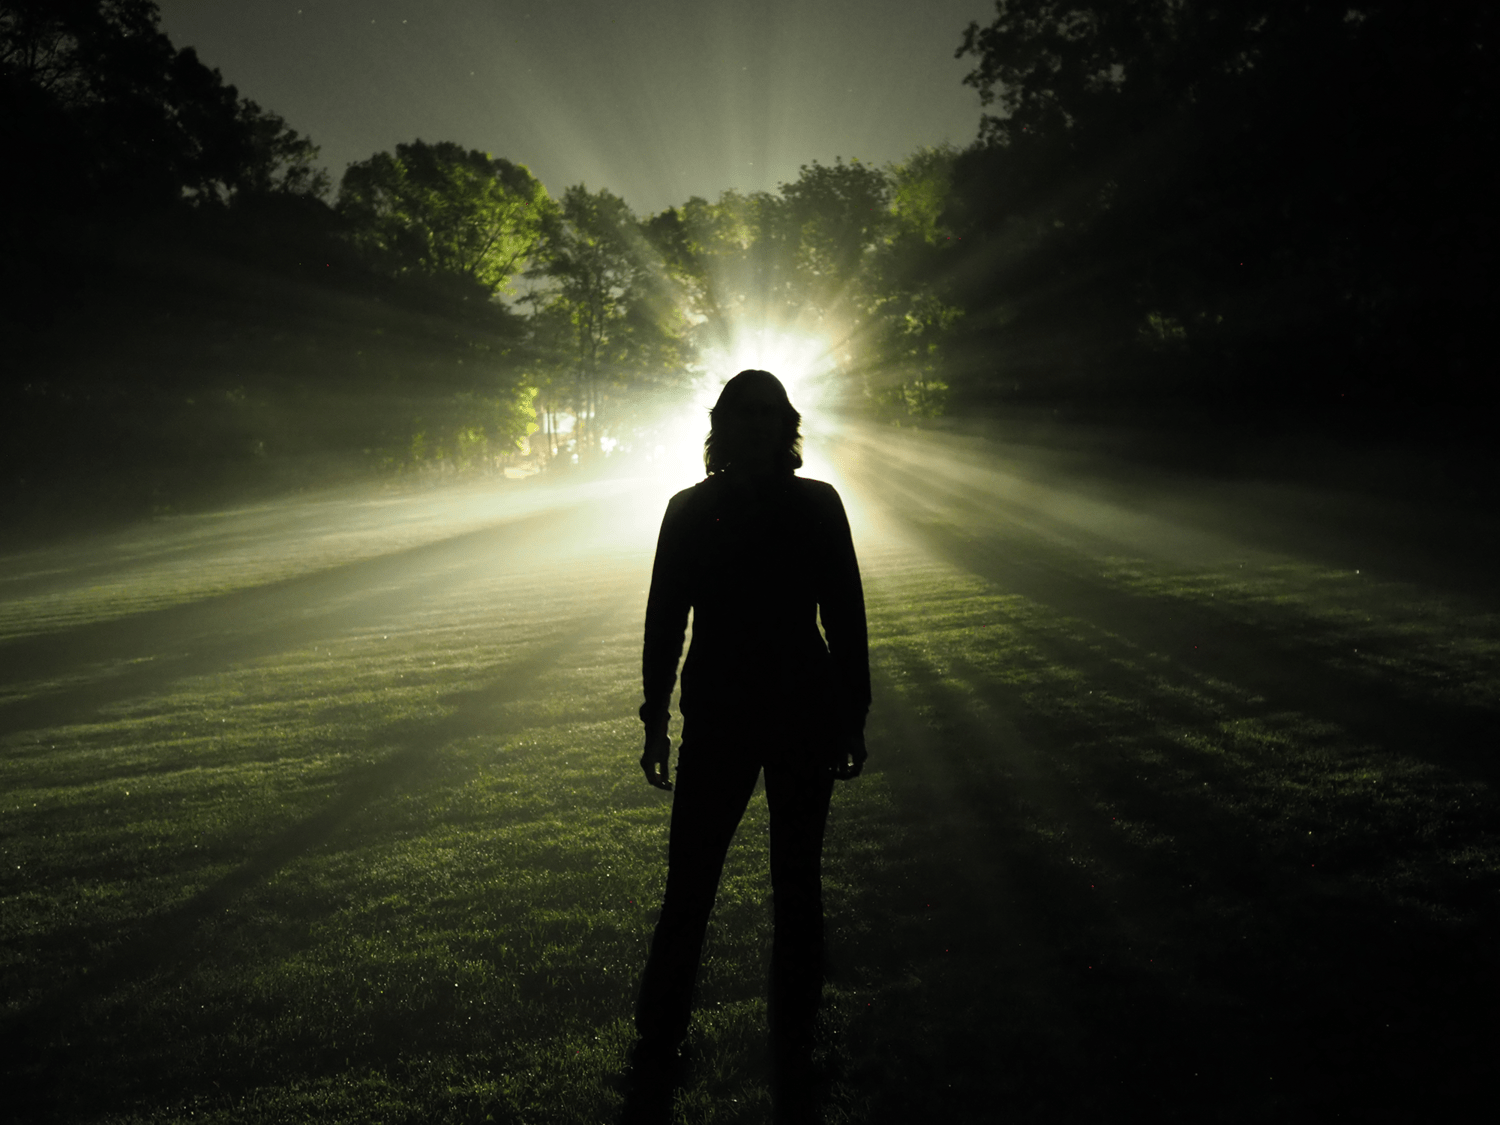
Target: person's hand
[
  {"x": 656, "y": 757},
  {"x": 849, "y": 756}
]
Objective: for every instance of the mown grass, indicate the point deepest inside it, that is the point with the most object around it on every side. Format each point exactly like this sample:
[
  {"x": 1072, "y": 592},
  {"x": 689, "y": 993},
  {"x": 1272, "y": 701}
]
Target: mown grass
[{"x": 1138, "y": 839}]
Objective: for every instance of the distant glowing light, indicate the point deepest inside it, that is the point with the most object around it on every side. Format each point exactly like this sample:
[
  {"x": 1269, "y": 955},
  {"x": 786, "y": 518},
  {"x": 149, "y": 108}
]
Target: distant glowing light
[
  {"x": 803, "y": 361},
  {"x": 806, "y": 364}
]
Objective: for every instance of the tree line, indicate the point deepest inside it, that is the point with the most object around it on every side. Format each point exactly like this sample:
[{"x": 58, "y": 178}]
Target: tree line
[
  {"x": 1251, "y": 208},
  {"x": 614, "y": 303},
  {"x": 1245, "y": 209}
]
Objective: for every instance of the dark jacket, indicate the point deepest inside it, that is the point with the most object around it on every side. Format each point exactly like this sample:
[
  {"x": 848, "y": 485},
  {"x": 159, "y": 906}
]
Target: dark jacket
[{"x": 759, "y": 563}]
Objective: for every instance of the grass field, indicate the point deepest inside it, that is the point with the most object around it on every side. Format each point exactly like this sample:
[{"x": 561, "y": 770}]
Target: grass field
[{"x": 329, "y": 811}]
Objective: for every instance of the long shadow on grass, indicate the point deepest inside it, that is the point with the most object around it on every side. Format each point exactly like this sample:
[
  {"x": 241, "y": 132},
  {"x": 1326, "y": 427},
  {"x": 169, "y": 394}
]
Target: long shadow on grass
[
  {"x": 65, "y": 1054},
  {"x": 1289, "y": 667},
  {"x": 45, "y": 571},
  {"x": 1094, "y": 922},
  {"x": 215, "y": 633}
]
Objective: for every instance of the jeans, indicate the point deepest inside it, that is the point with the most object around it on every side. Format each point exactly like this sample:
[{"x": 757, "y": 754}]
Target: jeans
[{"x": 712, "y": 791}]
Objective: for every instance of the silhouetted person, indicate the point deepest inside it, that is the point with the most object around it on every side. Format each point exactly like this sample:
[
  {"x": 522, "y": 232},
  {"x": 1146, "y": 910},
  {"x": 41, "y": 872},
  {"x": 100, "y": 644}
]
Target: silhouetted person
[{"x": 759, "y": 555}]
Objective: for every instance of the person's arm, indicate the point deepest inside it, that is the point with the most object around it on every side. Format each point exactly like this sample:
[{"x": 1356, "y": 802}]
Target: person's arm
[
  {"x": 841, "y": 607},
  {"x": 666, "y": 623}
]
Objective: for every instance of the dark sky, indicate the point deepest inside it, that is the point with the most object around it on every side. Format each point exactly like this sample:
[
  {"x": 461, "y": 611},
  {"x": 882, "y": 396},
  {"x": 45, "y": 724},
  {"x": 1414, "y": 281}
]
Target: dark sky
[{"x": 656, "y": 100}]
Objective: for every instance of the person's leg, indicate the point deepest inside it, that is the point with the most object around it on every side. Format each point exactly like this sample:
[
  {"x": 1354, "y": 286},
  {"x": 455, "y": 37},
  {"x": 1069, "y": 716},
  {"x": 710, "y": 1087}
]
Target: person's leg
[
  {"x": 710, "y": 798},
  {"x": 798, "y": 796}
]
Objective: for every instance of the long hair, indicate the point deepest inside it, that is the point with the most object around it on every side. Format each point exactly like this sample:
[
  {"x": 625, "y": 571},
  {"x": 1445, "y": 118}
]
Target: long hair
[{"x": 727, "y": 438}]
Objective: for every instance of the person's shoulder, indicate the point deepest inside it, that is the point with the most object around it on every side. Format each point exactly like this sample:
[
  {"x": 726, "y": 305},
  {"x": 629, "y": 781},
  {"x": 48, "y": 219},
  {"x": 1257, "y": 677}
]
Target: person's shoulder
[
  {"x": 816, "y": 491},
  {"x": 689, "y": 496},
  {"x": 818, "y": 500}
]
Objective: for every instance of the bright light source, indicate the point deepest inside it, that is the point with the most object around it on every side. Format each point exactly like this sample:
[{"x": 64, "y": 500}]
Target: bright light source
[
  {"x": 805, "y": 364},
  {"x": 802, "y": 361}
]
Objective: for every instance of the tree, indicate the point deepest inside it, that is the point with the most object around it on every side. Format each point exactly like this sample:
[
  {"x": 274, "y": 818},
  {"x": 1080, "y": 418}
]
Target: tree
[
  {"x": 608, "y": 315},
  {"x": 278, "y": 160},
  {"x": 920, "y": 188},
  {"x": 104, "y": 112},
  {"x": 1284, "y": 186},
  {"x": 461, "y": 218},
  {"x": 730, "y": 260},
  {"x": 108, "y": 130},
  {"x": 910, "y": 316},
  {"x": 799, "y": 262},
  {"x": 838, "y": 214}
]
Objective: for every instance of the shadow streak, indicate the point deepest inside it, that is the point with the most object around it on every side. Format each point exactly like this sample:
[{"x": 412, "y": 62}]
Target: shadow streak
[
  {"x": 215, "y": 633},
  {"x": 1199, "y": 968},
  {"x": 1290, "y": 673},
  {"x": 60, "y": 1035}
]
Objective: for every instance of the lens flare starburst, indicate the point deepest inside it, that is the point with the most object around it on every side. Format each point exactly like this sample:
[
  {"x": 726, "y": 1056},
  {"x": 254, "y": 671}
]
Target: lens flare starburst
[
  {"x": 802, "y": 361},
  {"x": 806, "y": 364}
]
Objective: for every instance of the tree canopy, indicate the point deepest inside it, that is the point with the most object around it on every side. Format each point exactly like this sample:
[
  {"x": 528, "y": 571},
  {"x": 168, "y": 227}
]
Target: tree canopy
[
  {"x": 446, "y": 213},
  {"x": 1234, "y": 209},
  {"x": 101, "y": 109},
  {"x": 607, "y": 317},
  {"x": 1229, "y": 190}
]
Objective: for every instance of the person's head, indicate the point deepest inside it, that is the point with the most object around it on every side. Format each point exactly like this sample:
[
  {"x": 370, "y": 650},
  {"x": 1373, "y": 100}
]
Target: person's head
[{"x": 753, "y": 427}]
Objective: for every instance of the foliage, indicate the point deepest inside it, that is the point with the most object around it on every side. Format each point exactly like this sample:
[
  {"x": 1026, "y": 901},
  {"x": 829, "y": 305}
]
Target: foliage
[
  {"x": 846, "y": 252},
  {"x": 136, "y": 121},
  {"x": 911, "y": 314},
  {"x": 835, "y": 215},
  {"x": 920, "y": 187},
  {"x": 184, "y": 321},
  {"x": 444, "y": 213},
  {"x": 1245, "y": 207},
  {"x": 607, "y": 318},
  {"x": 723, "y": 257},
  {"x": 798, "y": 256},
  {"x": 281, "y": 161},
  {"x": 467, "y": 431},
  {"x": 1274, "y": 178}
]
